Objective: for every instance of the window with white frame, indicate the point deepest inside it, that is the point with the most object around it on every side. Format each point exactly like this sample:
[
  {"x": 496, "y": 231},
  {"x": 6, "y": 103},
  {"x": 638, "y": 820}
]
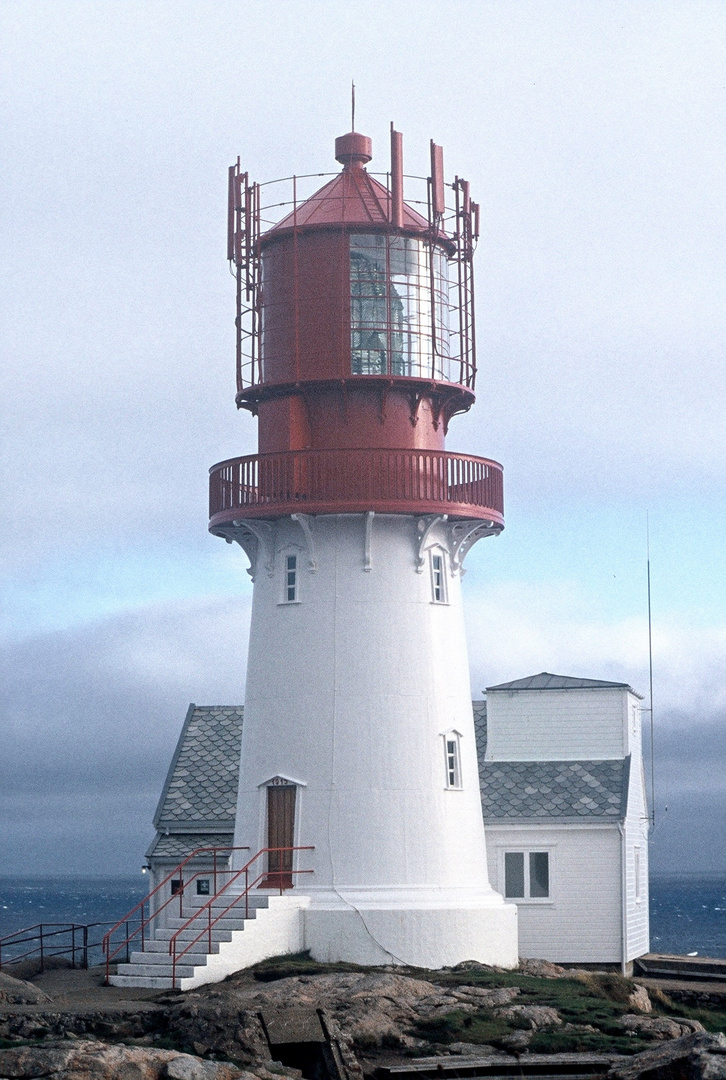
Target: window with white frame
[
  {"x": 438, "y": 577},
  {"x": 452, "y": 755},
  {"x": 526, "y": 875},
  {"x": 290, "y": 579}
]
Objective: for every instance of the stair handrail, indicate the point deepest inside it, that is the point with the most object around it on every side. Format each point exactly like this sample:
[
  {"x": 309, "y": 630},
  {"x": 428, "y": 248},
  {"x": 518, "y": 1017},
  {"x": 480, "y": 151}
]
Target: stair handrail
[
  {"x": 46, "y": 930},
  {"x": 145, "y": 921},
  {"x": 245, "y": 893}
]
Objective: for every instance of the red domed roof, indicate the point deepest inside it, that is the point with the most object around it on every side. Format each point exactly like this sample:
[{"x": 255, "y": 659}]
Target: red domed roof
[{"x": 351, "y": 198}]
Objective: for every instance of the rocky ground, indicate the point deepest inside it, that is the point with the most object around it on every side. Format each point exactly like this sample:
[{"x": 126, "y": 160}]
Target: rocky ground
[{"x": 294, "y": 1018}]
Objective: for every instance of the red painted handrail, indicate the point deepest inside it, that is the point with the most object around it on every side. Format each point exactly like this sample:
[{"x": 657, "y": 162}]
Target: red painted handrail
[
  {"x": 330, "y": 481},
  {"x": 145, "y": 921},
  {"x": 243, "y": 895}
]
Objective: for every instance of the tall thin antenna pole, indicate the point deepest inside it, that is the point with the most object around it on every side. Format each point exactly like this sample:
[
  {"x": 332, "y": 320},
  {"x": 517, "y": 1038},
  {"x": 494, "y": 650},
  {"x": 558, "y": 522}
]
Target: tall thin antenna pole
[
  {"x": 650, "y": 675},
  {"x": 352, "y": 106}
]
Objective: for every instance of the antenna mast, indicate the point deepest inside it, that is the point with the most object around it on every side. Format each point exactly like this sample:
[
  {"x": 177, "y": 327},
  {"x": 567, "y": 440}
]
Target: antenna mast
[
  {"x": 650, "y": 675},
  {"x": 352, "y": 106}
]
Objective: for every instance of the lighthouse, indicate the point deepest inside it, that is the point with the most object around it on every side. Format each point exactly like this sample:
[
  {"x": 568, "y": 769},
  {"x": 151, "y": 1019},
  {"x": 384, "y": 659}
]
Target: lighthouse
[{"x": 355, "y": 351}]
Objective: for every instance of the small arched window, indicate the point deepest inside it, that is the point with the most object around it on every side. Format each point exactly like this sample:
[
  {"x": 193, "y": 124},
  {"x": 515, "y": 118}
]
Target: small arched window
[
  {"x": 452, "y": 760},
  {"x": 437, "y": 561},
  {"x": 289, "y": 581}
]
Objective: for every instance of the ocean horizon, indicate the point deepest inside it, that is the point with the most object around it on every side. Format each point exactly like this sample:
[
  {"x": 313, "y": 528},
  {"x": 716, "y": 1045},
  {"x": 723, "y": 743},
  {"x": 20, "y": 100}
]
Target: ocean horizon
[{"x": 687, "y": 914}]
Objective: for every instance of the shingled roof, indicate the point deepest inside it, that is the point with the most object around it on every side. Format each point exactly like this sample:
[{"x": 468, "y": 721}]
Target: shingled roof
[
  {"x": 566, "y": 790},
  {"x": 200, "y": 792},
  {"x": 546, "y": 681},
  {"x": 176, "y": 846}
]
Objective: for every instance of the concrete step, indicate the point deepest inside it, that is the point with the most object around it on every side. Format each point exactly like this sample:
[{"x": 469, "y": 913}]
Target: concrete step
[
  {"x": 152, "y": 971},
  {"x": 145, "y": 982},
  {"x": 161, "y": 948},
  {"x": 190, "y": 958},
  {"x": 219, "y": 933}
]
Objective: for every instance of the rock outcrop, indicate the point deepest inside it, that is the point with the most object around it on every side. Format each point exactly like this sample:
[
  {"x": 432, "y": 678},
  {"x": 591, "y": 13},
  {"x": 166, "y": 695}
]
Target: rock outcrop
[
  {"x": 85, "y": 1060},
  {"x": 699, "y": 1056},
  {"x": 18, "y": 992},
  {"x": 660, "y": 1027}
]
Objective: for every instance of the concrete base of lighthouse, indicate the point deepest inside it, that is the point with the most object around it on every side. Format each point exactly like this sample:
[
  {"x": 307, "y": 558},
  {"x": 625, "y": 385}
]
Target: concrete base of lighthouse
[
  {"x": 412, "y": 927},
  {"x": 357, "y": 686}
]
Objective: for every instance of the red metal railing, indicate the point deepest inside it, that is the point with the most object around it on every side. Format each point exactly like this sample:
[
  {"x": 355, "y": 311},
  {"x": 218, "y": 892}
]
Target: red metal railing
[
  {"x": 262, "y": 879},
  {"x": 145, "y": 920},
  {"x": 338, "y": 481}
]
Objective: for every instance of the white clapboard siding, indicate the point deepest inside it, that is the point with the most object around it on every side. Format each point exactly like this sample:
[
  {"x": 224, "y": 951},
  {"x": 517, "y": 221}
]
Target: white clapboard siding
[
  {"x": 581, "y": 922},
  {"x": 635, "y": 838},
  {"x": 558, "y": 725}
]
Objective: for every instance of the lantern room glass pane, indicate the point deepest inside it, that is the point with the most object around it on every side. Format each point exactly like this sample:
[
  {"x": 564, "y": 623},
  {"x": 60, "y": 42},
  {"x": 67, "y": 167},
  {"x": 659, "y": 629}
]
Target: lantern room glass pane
[{"x": 399, "y": 307}]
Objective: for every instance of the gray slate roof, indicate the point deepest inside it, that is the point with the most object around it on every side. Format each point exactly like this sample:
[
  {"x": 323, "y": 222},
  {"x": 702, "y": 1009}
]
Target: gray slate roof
[
  {"x": 480, "y": 727},
  {"x": 201, "y": 786},
  {"x": 537, "y": 790},
  {"x": 546, "y": 681},
  {"x": 176, "y": 846}
]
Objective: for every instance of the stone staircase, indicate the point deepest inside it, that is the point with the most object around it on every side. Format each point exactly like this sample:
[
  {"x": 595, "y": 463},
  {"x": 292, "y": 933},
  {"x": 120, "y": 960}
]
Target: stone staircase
[{"x": 274, "y": 926}]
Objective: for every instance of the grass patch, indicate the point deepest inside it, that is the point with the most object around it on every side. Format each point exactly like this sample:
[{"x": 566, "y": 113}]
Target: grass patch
[
  {"x": 578, "y": 1042},
  {"x": 285, "y": 967}
]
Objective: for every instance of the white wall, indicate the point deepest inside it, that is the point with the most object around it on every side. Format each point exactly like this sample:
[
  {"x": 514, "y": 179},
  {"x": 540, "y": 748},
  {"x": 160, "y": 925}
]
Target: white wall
[
  {"x": 581, "y": 921},
  {"x": 557, "y": 725},
  {"x": 636, "y": 833}
]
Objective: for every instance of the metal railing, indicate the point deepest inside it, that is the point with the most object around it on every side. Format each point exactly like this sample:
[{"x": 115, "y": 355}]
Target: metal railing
[
  {"x": 73, "y": 941},
  {"x": 397, "y": 481},
  {"x": 265, "y": 879},
  {"x": 177, "y": 874}
]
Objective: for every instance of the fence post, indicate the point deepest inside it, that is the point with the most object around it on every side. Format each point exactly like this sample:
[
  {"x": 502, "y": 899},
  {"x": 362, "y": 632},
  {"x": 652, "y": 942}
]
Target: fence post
[
  {"x": 73, "y": 946},
  {"x": 85, "y": 948},
  {"x": 126, "y": 928},
  {"x": 42, "y": 958}
]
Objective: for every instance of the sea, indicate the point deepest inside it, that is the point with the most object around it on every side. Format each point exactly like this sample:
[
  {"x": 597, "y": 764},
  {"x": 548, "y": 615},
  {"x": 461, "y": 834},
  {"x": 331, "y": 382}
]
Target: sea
[{"x": 687, "y": 915}]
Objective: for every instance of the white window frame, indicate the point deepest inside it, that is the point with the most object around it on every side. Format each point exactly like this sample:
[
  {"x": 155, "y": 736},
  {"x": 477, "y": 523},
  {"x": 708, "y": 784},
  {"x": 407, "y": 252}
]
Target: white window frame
[
  {"x": 452, "y": 761},
  {"x": 526, "y": 852},
  {"x": 286, "y": 555},
  {"x": 439, "y": 584}
]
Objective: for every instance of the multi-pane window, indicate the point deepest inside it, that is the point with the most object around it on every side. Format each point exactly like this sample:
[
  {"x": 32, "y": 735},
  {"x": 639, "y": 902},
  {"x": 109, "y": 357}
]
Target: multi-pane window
[
  {"x": 290, "y": 584},
  {"x": 399, "y": 307},
  {"x": 438, "y": 578},
  {"x": 453, "y": 761},
  {"x": 526, "y": 875}
]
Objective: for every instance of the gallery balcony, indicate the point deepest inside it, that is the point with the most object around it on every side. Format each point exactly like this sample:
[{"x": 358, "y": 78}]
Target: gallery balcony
[{"x": 353, "y": 482}]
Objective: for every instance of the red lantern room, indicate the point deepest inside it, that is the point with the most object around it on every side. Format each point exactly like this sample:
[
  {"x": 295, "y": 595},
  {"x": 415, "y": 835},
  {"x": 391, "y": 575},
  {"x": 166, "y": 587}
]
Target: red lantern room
[{"x": 355, "y": 345}]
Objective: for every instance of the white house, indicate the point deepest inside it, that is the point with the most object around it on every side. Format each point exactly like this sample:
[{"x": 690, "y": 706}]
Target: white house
[
  {"x": 564, "y": 805},
  {"x": 563, "y": 800}
]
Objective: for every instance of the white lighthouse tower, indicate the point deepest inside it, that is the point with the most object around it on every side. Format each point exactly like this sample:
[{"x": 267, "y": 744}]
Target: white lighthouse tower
[{"x": 359, "y": 784}]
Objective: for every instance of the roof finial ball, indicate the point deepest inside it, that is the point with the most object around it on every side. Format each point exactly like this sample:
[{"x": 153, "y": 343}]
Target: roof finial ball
[{"x": 353, "y": 150}]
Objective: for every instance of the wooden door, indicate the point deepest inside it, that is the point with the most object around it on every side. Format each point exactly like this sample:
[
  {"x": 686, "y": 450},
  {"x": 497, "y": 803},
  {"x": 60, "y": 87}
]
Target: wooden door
[{"x": 280, "y": 834}]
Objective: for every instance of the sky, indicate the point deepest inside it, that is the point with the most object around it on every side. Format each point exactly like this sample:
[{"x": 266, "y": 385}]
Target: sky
[{"x": 592, "y": 132}]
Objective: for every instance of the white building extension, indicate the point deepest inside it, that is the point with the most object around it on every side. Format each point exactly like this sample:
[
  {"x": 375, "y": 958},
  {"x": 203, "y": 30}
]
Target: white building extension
[{"x": 564, "y": 803}]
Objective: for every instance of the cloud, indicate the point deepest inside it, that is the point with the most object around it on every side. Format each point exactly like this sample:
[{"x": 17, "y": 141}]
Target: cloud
[{"x": 91, "y": 720}]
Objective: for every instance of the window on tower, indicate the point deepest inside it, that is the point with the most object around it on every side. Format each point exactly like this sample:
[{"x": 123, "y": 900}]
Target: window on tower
[
  {"x": 452, "y": 758},
  {"x": 438, "y": 578},
  {"x": 290, "y": 582},
  {"x": 399, "y": 307}
]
